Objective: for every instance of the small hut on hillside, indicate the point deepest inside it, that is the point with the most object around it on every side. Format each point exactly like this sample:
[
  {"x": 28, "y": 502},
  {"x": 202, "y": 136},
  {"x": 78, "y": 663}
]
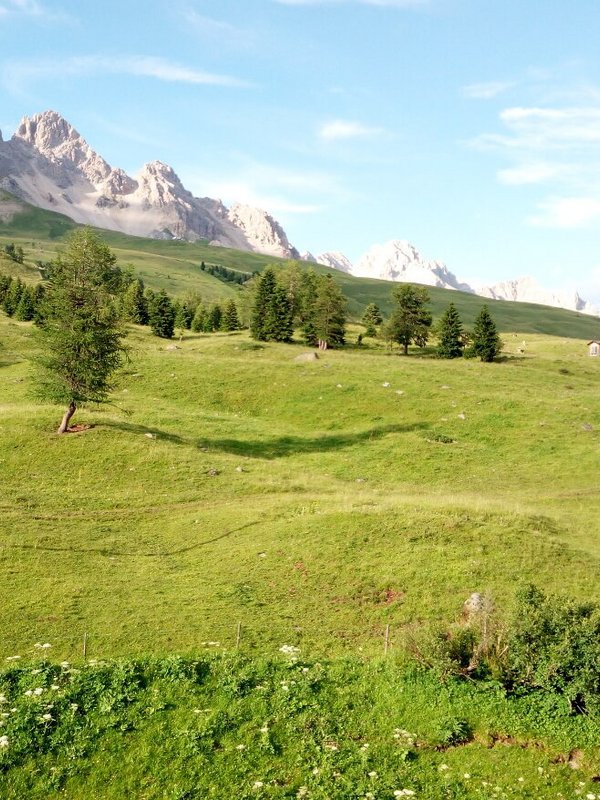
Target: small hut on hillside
[{"x": 594, "y": 347}]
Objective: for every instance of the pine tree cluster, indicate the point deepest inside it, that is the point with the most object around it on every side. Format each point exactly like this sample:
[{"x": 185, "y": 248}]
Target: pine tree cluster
[
  {"x": 225, "y": 274},
  {"x": 302, "y": 299}
]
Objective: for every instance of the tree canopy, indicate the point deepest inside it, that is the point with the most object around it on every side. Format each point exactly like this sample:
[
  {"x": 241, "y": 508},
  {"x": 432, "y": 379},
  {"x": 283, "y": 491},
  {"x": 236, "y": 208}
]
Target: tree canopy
[
  {"x": 80, "y": 335},
  {"x": 410, "y": 320}
]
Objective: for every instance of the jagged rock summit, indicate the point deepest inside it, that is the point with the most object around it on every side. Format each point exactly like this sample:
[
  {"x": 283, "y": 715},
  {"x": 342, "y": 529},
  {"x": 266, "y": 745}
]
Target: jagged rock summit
[
  {"x": 398, "y": 260},
  {"x": 528, "y": 290},
  {"x": 50, "y": 165}
]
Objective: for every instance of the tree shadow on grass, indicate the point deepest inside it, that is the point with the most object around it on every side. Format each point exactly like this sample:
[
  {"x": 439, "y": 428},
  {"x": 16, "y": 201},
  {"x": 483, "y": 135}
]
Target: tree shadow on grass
[{"x": 271, "y": 448}]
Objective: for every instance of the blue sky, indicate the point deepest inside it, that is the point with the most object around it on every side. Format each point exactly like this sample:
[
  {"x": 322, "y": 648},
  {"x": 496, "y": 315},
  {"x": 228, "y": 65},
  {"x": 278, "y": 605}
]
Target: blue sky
[{"x": 469, "y": 127}]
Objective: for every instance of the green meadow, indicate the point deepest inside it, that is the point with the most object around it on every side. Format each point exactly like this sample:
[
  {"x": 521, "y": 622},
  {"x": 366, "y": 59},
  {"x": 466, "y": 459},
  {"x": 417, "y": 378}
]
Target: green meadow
[{"x": 231, "y": 501}]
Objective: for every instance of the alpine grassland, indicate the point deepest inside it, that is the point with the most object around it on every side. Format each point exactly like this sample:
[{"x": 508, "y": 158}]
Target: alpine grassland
[{"x": 222, "y": 585}]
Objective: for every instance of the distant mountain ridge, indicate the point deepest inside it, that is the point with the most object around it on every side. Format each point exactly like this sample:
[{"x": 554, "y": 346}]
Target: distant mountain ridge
[
  {"x": 50, "y": 165},
  {"x": 398, "y": 260}
]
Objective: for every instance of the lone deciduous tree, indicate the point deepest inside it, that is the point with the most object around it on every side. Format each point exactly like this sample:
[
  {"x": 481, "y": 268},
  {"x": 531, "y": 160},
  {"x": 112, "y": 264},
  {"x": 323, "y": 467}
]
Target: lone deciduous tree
[{"x": 81, "y": 334}]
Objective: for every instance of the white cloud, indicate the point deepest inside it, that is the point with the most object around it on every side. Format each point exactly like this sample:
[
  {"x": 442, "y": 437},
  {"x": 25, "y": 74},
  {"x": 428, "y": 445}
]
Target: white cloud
[
  {"x": 16, "y": 75},
  {"x": 379, "y": 3},
  {"x": 530, "y": 173},
  {"x": 224, "y": 33},
  {"x": 33, "y": 8},
  {"x": 567, "y": 213},
  {"x": 486, "y": 91},
  {"x": 345, "y": 129},
  {"x": 275, "y": 189}
]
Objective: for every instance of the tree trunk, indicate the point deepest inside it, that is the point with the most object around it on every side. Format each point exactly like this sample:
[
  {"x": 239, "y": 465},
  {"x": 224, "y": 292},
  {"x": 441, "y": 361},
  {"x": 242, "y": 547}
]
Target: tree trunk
[
  {"x": 405, "y": 345},
  {"x": 67, "y": 418}
]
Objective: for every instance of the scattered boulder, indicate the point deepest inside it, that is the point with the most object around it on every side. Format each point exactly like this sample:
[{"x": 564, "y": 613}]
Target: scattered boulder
[
  {"x": 213, "y": 472},
  {"x": 172, "y": 347},
  {"x": 150, "y": 435},
  {"x": 587, "y": 427},
  {"x": 462, "y": 415},
  {"x": 306, "y": 357},
  {"x": 386, "y": 384},
  {"x": 473, "y": 605}
]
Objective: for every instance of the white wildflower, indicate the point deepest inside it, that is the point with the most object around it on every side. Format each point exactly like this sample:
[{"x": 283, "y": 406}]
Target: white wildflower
[
  {"x": 29, "y": 693},
  {"x": 55, "y": 687},
  {"x": 74, "y": 707},
  {"x": 3, "y": 741},
  {"x": 264, "y": 729},
  {"x": 467, "y": 775},
  {"x": 590, "y": 796},
  {"x": 38, "y": 691},
  {"x": 240, "y": 747},
  {"x": 289, "y": 650},
  {"x": 13, "y": 658},
  {"x": 3, "y": 699},
  {"x": 372, "y": 774},
  {"x": 257, "y": 785},
  {"x": 443, "y": 767},
  {"x": 46, "y": 717}
]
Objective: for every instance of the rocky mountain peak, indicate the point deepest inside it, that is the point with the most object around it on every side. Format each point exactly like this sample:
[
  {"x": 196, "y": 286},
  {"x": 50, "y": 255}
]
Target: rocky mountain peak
[
  {"x": 57, "y": 140},
  {"x": 263, "y": 232},
  {"x": 160, "y": 184},
  {"x": 46, "y": 131}
]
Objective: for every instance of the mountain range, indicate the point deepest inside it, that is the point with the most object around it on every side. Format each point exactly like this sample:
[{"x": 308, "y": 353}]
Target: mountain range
[{"x": 50, "y": 165}]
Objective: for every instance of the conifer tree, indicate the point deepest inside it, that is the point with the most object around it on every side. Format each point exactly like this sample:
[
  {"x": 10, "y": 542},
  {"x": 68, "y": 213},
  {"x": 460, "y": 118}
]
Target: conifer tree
[
  {"x": 262, "y": 319},
  {"x": 200, "y": 321},
  {"x": 410, "y": 320},
  {"x": 371, "y": 319},
  {"x": 330, "y": 312},
  {"x": 161, "y": 315},
  {"x": 135, "y": 304},
  {"x": 13, "y": 296},
  {"x": 231, "y": 321},
  {"x": 5, "y": 282},
  {"x": 25, "y": 310},
  {"x": 81, "y": 336},
  {"x": 486, "y": 342},
  {"x": 310, "y": 282},
  {"x": 450, "y": 334},
  {"x": 283, "y": 316},
  {"x": 215, "y": 317}
]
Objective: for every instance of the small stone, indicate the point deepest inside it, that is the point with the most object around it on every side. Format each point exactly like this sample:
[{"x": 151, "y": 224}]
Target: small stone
[
  {"x": 213, "y": 472},
  {"x": 172, "y": 347},
  {"x": 306, "y": 357},
  {"x": 239, "y": 469},
  {"x": 444, "y": 387},
  {"x": 361, "y": 480},
  {"x": 462, "y": 415},
  {"x": 587, "y": 427},
  {"x": 399, "y": 391},
  {"x": 338, "y": 386},
  {"x": 386, "y": 384},
  {"x": 150, "y": 435}
]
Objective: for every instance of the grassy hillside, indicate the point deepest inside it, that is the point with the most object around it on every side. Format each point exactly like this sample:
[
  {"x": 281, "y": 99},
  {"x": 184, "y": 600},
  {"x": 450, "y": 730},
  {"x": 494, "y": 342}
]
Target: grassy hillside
[
  {"x": 174, "y": 266},
  {"x": 232, "y": 500},
  {"x": 313, "y": 513}
]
